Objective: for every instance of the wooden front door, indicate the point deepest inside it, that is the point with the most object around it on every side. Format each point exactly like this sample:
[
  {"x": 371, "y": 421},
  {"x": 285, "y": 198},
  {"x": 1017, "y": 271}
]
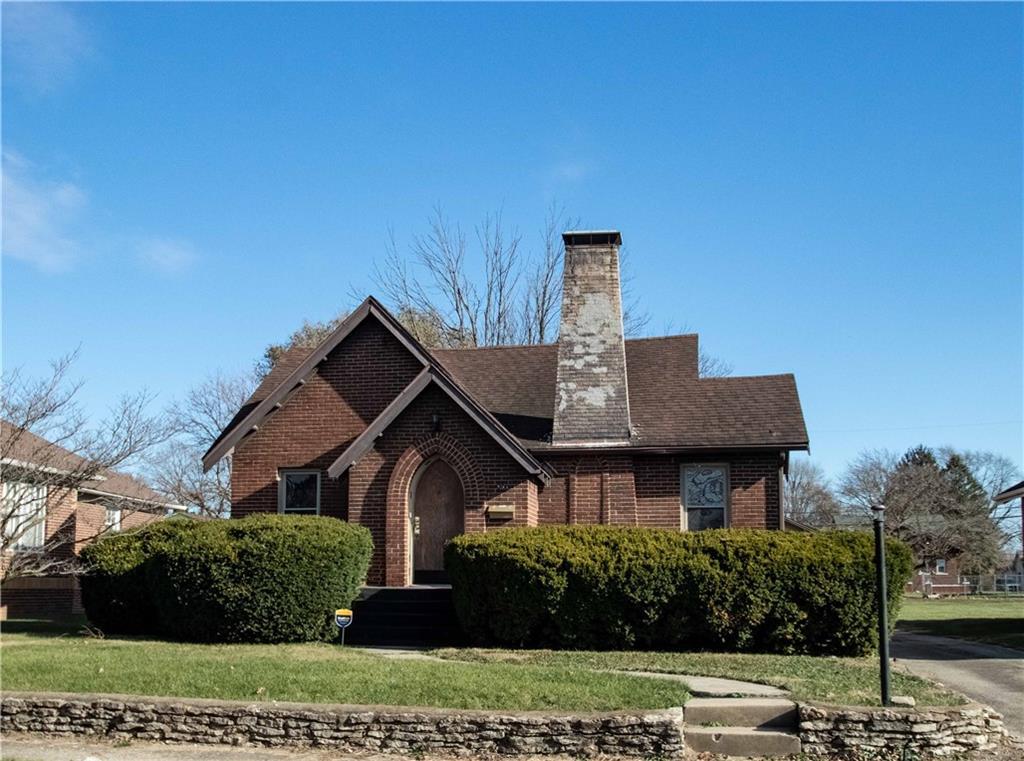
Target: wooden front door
[{"x": 437, "y": 516}]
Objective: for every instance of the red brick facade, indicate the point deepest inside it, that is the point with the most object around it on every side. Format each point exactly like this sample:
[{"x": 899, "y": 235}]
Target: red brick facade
[
  {"x": 70, "y": 525},
  {"x": 368, "y": 370}
]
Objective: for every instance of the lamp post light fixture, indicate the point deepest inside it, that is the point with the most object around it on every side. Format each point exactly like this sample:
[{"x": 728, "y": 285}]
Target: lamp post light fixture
[{"x": 882, "y": 593}]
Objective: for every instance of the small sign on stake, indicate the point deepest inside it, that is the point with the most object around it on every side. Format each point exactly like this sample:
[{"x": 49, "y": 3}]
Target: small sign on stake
[{"x": 342, "y": 619}]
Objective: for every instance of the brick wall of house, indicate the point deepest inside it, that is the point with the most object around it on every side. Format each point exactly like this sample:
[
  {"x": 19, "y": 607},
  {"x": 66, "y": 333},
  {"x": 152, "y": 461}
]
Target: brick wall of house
[
  {"x": 379, "y": 483},
  {"x": 755, "y": 499},
  {"x": 589, "y": 489},
  {"x": 644, "y": 490},
  {"x": 70, "y": 525},
  {"x": 349, "y": 390}
]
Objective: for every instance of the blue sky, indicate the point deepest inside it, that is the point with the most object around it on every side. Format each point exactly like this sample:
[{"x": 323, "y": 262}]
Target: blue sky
[{"x": 829, "y": 190}]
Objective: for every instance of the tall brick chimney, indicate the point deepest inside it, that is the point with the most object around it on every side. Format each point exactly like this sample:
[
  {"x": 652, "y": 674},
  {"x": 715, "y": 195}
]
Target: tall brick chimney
[{"x": 591, "y": 400}]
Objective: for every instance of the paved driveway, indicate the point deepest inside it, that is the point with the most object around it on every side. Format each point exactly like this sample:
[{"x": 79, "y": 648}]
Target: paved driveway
[{"x": 988, "y": 673}]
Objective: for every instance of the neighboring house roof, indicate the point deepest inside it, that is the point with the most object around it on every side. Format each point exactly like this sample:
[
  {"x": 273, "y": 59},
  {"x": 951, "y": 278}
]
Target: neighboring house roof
[
  {"x": 25, "y": 450},
  {"x": 1017, "y": 490},
  {"x": 671, "y": 406},
  {"x": 792, "y": 524},
  {"x": 277, "y": 391}
]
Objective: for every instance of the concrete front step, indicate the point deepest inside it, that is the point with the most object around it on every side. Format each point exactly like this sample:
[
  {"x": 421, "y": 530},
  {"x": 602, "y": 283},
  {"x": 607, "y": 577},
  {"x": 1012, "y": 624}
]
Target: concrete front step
[
  {"x": 741, "y": 712},
  {"x": 741, "y": 741}
]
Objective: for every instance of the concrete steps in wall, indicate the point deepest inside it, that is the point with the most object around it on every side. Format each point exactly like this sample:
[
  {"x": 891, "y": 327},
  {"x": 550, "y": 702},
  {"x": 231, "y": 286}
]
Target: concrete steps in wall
[
  {"x": 752, "y": 726},
  {"x": 404, "y": 616}
]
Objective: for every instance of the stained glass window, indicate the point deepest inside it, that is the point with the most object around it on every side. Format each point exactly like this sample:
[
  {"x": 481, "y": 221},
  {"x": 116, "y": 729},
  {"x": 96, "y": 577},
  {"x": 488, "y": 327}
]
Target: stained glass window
[{"x": 705, "y": 494}]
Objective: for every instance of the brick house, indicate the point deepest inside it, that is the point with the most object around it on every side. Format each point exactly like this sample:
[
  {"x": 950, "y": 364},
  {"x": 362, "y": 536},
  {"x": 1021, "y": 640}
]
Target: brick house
[
  {"x": 51, "y": 514},
  {"x": 420, "y": 445}
]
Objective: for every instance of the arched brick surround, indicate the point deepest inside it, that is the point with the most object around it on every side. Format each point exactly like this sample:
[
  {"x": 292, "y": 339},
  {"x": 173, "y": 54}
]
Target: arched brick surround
[{"x": 429, "y": 447}]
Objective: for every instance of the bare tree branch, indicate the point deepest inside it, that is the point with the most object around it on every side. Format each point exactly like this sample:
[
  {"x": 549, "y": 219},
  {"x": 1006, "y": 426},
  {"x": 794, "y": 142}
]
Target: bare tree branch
[
  {"x": 49, "y": 455},
  {"x": 196, "y": 420}
]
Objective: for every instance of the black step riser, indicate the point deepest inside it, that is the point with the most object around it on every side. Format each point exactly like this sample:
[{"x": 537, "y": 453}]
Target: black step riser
[{"x": 406, "y": 616}]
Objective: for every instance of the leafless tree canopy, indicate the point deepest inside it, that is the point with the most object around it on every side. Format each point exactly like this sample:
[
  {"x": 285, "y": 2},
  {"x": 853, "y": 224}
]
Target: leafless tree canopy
[
  {"x": 194, "y": 422},
  {"x": 48, "y": 452},
  {"x": 454, "y": 290},
  {"x": 516, "y": 301},
  {"x": 939, "y": 510},
  {"x": 807, "y": 496}
]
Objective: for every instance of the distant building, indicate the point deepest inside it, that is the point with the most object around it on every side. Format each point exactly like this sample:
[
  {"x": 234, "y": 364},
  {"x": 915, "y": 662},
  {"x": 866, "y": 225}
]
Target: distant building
[{"x": 60, "y": 520}]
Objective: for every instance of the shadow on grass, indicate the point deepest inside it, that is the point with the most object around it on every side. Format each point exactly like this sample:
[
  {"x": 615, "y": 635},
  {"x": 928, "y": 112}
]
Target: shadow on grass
[{"x": 44, "y": 627}]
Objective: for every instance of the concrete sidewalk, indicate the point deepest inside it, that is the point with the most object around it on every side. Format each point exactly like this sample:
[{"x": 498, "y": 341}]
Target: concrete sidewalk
[{"x": 35, "y": 748}]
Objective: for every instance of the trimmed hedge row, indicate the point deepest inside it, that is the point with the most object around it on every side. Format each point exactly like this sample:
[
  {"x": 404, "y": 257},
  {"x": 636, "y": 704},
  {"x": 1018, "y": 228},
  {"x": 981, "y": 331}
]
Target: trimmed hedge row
[
  {"x": 265, "y": 578},
  {"x": 604, "y": 587}
]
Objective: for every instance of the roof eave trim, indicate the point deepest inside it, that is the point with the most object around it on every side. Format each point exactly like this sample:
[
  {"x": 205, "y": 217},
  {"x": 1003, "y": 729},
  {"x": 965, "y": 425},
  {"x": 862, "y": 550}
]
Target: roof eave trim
[
  {"x": 672, "y": 449},
  {"x": 1013, "y": 492},
  {"x": 350, "y": 323},
  {"x": 140, "y": 500}
]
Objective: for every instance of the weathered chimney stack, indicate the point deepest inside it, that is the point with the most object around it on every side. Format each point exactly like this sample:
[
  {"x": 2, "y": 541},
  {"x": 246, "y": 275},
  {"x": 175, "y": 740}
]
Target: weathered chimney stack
[{"x": 591, "y": 398}]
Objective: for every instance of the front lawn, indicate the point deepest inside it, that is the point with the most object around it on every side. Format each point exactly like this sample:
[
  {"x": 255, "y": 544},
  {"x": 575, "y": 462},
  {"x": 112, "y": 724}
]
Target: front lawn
[
  {"x": 997, "y": 620},
  {"x": 852, "y": 681},
  {"x": 316, "y": 673},
  {"x": 51, "y": 659}
]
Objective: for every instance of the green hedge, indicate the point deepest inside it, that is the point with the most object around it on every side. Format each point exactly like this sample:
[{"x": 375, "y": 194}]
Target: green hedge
[
  {"x": 602, "y": 587},
  {"x": 115, "y": 589},
  {"x": 266, "y": 578}
]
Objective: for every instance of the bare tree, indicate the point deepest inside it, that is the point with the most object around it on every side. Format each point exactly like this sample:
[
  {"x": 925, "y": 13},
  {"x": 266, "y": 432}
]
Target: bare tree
[
  {"x": 926, "y": 505},
  {"x": 517, "y": 300},
  {"x": 49, "y": 453},
  {"x": 309, "y": 335},
  {"x": 544, "y": 284},
  {"x": 710, "y": 366},
  {"x": 808, "y": 495},
  {"x": 995, "y": 473},
  {"x": 195, "y": 421},
  {"x": 866, "y": 480}
]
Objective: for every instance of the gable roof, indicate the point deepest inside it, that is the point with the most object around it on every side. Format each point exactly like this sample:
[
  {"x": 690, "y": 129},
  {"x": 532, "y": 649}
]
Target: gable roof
[
  {"x": 291, "y": 371},
  {"x": 511, "y": 391},
  {"x": 434, "y": 376},
  {"x": 26, "y": 451},
  {"x": 278, "y": 389}
]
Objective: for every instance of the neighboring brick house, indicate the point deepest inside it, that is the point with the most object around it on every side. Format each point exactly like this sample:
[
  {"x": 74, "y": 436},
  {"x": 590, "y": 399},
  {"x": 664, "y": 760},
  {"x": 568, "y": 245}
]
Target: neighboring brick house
[
  {"x": 419, "y": 445},
  {"x": 51, "y": 516},
  {"x": 938, "y": 577}
]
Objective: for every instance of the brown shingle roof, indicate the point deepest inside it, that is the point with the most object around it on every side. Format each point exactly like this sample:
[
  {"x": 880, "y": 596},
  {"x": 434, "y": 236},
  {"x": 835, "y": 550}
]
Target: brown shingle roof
[
  {"x": 26, "y": 447},
  {"x": 670, "y": 406}
]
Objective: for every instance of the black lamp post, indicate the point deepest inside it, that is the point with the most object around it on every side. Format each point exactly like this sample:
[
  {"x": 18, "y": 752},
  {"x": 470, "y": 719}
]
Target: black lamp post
[{"x": 882, "y": 593}]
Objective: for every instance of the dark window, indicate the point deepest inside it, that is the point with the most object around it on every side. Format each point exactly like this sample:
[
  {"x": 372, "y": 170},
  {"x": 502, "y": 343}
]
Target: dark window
[{"x": 299, "y": 493}]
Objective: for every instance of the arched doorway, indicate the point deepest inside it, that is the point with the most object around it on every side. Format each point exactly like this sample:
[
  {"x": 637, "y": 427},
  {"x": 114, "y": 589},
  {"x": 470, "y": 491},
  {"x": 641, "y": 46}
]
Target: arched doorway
[{"x": 436, "y": 511}]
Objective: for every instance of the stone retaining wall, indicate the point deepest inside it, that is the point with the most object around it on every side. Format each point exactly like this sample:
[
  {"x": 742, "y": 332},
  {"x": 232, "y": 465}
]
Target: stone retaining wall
[
  {"x": 930, "y": 732},
  {"x": 471, "y": 733}
]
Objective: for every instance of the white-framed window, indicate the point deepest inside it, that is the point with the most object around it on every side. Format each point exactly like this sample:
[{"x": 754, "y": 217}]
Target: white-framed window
[
  {"x": 24, "y": 510},
  {"x": 940, "y": 565},
  {"x": 112, "y": 519},
  {"x": 298, "y": 492},
  {"x": 704, "y": 496}
]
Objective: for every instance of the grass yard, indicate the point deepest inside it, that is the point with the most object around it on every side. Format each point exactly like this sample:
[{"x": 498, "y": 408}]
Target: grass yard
[
  {"x": 59, "y": 659},
  {"x": 852, "y": 681},
  {"x": 997, "y": 620},
  {"x": 318, "y": 673}
]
